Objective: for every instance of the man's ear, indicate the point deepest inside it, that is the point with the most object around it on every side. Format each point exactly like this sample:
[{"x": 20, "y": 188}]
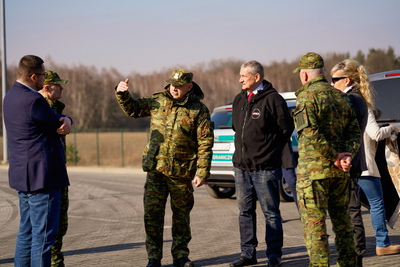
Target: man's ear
[
  {"x": 305, "y": 73},
  {"x": 190, "y": 87},
  {"x": 32, "y": 78},
  {"x": 258, "y": 77}
]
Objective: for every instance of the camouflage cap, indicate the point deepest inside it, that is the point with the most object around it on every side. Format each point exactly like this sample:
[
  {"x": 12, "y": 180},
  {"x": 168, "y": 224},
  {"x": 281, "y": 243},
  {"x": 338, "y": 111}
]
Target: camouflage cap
[
  {"x": 180, "y": 77},
  {"x": 53, "y": 78},
  {"x": 310, "y": 60}
]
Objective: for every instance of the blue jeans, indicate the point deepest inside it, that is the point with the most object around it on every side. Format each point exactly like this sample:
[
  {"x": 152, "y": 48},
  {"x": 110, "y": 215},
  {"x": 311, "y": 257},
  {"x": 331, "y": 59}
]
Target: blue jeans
[
  {"x": 264, "y": 186},
  {"x": 38, "y": 228},
  {"x": 290, "y": 177},
  {"x": 372, "y": 188}
]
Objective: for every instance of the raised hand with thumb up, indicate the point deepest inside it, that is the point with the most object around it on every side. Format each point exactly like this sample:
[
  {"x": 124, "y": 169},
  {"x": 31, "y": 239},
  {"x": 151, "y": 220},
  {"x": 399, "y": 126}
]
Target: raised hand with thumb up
[{"x": 123, "y": 86}]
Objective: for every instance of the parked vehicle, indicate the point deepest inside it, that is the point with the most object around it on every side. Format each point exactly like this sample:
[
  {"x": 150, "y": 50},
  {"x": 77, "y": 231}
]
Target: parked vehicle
[
  {"x": 387, "y": 86},
  {"x": 221, "y": 183}
]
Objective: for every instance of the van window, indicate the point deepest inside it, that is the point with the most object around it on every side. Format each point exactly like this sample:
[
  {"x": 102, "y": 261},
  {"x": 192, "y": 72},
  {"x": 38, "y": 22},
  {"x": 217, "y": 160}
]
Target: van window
[{"x": 387, "y": 99}]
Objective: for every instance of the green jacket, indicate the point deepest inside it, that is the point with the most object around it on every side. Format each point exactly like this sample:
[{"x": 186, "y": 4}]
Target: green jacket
[
  {"x": 181, "y": 132},
  {"x": 326, "y": 125}
]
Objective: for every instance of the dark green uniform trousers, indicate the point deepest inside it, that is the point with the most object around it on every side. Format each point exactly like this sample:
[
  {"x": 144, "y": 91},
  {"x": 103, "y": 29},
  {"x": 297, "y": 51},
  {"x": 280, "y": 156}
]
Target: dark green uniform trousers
[
  {"x": 57, "y": 257},
  {"x": 315, "y": 198},
  {"x": 157, "y": 189}
]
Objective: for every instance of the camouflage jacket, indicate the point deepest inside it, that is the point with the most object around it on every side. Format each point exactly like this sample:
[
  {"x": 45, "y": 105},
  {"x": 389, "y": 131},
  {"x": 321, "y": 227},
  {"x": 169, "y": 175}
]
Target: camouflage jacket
[
  {"x": 58, "y": 108},
  {"x": 181, "y": 132},
  {"x": 326, "y": 125}
]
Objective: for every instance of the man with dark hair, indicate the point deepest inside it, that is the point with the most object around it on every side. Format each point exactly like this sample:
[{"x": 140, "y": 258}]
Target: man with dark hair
[
  {"x": 263, "y": 126},
  {"x": 37, "y": 162}
]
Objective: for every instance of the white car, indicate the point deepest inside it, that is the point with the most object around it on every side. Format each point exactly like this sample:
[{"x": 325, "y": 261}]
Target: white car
[{"x": 221, "y": 183}]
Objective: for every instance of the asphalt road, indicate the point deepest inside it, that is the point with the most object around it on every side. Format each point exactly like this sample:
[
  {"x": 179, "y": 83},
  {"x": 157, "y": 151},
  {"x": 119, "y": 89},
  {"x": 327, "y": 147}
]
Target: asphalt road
[{"x": 106, "y": 225}]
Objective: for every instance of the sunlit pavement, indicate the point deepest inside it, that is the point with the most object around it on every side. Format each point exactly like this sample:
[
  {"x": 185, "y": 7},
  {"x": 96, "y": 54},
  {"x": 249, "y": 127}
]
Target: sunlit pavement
[{"x": 106, "y": 225}]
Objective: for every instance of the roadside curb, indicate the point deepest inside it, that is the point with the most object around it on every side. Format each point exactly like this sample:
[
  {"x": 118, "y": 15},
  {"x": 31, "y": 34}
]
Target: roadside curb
[{"x": 94, "y": 169}]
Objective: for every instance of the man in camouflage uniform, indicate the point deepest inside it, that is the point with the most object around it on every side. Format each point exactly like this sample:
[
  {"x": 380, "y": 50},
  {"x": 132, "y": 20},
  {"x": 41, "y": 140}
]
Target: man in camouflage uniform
[
  {"x": 329, "y": 137},
  {"x": 52, "y": 91},
  {"x": 181, "y": 140}
]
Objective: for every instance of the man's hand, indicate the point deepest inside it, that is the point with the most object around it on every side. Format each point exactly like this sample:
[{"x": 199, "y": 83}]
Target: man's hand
[
  {"x": 343, "y": 161},
  {"x": 65, "y": 128},
  {"x": 198, "y": 182},
  {"x": 123, "y": 86}
]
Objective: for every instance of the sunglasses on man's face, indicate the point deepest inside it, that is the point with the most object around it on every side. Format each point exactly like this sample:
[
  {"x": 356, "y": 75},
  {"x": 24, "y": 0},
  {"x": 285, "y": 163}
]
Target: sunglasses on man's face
[{"x": 335, "y": 79}]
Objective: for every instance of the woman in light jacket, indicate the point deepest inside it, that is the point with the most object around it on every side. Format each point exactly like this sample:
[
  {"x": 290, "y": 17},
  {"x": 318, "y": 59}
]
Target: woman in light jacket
[
  {"x": 349, "y": 73},
  {"x": 371, "y": 185}
]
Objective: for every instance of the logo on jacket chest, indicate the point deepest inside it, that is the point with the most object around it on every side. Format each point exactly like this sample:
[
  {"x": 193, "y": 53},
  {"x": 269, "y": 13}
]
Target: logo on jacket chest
[{"x": 255, "y": 114}]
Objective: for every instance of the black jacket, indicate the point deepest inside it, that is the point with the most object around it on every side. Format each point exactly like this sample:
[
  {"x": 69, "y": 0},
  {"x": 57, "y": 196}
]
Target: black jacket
[
  {"x": 358, "y": 163},
  {"x": 262, "y": 128}
]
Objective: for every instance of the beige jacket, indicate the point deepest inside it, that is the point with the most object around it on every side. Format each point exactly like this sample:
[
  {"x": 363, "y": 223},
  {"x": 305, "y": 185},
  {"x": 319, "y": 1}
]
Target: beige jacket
[{"x": 372, "y": 135}]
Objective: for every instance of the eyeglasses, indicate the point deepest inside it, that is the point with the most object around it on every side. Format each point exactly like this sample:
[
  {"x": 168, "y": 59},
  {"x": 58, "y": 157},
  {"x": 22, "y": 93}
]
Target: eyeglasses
[
  {"x": 44, "y": 74},
  {"x": 335, "y": 79}
]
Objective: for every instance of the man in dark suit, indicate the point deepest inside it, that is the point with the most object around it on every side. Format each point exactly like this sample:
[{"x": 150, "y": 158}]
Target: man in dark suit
[{"x": 37, "y": 167}]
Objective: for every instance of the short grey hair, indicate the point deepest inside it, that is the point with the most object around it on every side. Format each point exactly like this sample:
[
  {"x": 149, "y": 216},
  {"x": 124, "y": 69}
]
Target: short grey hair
[{"x": 254, "y": 68}]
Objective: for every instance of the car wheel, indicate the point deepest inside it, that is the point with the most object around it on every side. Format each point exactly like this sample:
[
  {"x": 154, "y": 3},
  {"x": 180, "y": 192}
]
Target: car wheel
[
  {"x": 220, "y": 192},
  {"x": 285, "y": 191}
]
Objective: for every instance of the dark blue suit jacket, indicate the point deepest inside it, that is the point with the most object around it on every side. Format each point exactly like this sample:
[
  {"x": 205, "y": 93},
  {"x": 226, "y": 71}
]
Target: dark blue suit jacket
[{"x": 36, "y": 153}]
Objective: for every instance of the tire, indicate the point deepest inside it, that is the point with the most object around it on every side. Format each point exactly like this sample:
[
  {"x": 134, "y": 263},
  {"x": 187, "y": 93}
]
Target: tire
[
  {"x": 284, "y": 191},
  {"x": 220, "y": 192}
]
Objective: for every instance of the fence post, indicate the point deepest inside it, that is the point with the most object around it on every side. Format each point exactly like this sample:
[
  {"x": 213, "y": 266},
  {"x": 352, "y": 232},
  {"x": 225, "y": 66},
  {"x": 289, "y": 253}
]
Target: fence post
[
  {"x": 122, "y": 147},
  {"x": 97, "y": 146},
  {"x": 75, "y": 150}
]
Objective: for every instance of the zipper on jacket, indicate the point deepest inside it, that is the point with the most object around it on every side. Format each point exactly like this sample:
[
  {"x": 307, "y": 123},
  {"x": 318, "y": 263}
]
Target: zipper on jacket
[{"x": 243, "y": 127}]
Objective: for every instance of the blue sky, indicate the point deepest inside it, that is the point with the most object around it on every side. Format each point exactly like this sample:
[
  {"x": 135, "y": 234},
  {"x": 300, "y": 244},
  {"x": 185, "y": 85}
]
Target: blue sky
[{"x": 146, "y": 36}]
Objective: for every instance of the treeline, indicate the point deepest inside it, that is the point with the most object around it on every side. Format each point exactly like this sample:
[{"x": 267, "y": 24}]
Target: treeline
[{"x": 90, "y": 100}]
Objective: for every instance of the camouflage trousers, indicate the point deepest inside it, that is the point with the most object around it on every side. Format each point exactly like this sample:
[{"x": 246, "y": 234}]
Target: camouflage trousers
[
  {"x": 315, "y": 198},
  {"x": 57, "y": 257},
  {"x": 156, "y": 191}
]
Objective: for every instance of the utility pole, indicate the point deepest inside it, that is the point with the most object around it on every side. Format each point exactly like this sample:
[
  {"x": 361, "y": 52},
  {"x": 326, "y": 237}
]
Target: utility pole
[{"x": 4, "y": 74}]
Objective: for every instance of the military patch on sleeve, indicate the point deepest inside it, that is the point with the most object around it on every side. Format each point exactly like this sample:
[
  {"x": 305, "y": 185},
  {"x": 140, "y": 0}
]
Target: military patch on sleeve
[{"x": 300, "y": 118}]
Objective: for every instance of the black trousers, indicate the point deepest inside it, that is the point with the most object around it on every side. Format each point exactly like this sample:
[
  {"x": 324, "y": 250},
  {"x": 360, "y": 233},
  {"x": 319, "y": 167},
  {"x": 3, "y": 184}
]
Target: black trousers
[{"x": 355, "y": 213}]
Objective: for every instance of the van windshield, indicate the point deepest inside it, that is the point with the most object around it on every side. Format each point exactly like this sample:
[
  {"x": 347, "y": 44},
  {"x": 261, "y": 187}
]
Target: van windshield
[
  {"x": 222, "y": 120},
  {"x": 387, "y": 99}
]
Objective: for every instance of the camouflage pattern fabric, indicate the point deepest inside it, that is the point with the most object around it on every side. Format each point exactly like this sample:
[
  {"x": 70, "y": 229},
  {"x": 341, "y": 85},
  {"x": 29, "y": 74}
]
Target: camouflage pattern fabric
[
  {"x": 180, "y": 77},
  {"x": 326, "y": 124},
  {"x": 315, "y": 198},
  {"x": 156, "y": 191},
  {"x": 57, "y": 257},
  {"x": 181, "y": 133},
  {"x": 180, "y": 144},
  {"x": 310, "y": 60}
]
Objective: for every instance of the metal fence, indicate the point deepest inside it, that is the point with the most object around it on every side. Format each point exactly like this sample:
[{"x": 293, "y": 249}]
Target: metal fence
[{"x": 105, "y": 147}]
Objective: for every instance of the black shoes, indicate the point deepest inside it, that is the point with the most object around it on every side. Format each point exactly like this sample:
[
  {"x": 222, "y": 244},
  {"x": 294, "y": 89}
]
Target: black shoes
[
  {"x": 243, "y": 261},
  {"x": 154, "y": 263},
  {"x": 183, "y": 262},
  {"x": 359, "y": 261},
  {"x": 274, "y": 262}
]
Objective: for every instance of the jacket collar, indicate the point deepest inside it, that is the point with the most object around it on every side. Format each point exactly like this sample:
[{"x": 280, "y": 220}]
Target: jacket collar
[{"x": 309, "y": 83}]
